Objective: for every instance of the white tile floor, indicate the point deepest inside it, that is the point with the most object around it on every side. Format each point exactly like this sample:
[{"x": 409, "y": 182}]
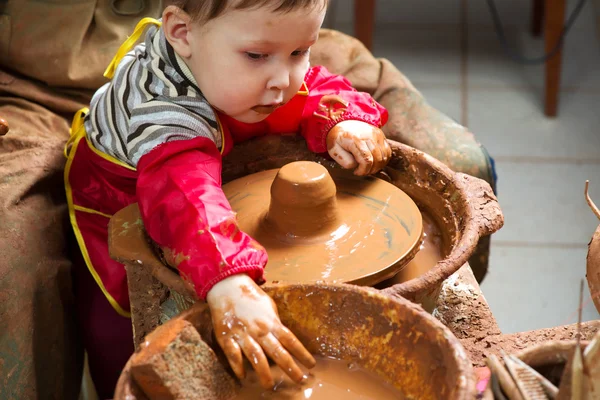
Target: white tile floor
[{"x": 451, "y": 53}]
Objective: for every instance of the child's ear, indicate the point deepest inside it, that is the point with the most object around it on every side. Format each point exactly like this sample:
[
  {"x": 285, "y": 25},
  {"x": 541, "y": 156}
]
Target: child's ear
[{"x": 176, "y": 24}]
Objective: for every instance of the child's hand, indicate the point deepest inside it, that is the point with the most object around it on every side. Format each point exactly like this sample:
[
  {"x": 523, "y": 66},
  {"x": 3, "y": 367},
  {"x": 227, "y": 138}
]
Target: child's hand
[
  {"x": 246, "y": 321},
  {"x": 356, "y": 143}
]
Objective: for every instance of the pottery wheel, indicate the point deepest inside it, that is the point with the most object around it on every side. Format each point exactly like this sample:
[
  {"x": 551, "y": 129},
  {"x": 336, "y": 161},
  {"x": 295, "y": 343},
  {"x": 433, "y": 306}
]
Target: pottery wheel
[{"x": 316, "y": 228}]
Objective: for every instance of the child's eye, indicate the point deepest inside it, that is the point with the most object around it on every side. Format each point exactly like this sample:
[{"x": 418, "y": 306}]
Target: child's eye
[
  {"x": 256, "y": 56},
  {"x": 299, "y": 53}
]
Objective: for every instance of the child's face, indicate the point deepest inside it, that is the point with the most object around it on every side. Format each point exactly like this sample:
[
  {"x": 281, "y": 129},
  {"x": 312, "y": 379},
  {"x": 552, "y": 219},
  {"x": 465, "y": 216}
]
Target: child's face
[{"x": 249, "y": 62}]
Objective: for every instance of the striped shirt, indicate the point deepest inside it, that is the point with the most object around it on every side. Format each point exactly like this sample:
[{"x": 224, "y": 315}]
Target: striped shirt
[{"x": 152, "y": 99}]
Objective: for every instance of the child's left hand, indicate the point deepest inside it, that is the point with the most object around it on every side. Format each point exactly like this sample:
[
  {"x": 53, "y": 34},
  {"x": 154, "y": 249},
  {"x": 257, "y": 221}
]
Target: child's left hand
[{"x": 358, "y": 144}]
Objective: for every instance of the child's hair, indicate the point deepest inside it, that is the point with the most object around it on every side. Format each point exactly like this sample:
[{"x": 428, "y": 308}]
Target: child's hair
[{"x": 205, "y": 10}]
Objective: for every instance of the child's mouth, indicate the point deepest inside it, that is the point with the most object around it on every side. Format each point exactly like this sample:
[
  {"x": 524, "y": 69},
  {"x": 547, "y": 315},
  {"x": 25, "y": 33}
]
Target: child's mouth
[{"x": 268, "y": 109}]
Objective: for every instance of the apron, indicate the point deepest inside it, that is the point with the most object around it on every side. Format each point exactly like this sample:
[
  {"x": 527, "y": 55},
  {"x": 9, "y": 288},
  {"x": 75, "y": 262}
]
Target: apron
[{"x": 97, "y": 186}]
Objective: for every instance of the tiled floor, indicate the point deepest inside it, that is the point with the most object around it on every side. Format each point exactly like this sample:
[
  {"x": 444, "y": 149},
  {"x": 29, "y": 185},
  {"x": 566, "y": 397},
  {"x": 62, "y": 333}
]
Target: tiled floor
[{"x": 451, "y": 53}]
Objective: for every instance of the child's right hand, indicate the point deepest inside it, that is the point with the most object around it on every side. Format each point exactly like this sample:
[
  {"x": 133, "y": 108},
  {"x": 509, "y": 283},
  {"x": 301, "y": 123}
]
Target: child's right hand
[{"x": 246, "y": 321}]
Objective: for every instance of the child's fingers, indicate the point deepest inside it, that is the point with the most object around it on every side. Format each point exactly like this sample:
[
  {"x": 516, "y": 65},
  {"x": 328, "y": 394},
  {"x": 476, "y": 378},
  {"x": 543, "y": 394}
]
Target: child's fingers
[
  {"x": 342, "y": 157},
  {"x": 387, "y": 150},
  {"x": 362, "y": 155},
  {"x": 378, "y": 160},
  {"x": 234, "y": 356},
  {"x": 254, "y": 353},
  {"x": 295, "y": 347},
  {"x": 282, "y": 358},
  {"x": 383, "y": 144}
]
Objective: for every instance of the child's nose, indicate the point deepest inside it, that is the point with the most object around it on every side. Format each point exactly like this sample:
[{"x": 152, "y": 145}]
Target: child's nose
[{"x": 280, "y": 79}]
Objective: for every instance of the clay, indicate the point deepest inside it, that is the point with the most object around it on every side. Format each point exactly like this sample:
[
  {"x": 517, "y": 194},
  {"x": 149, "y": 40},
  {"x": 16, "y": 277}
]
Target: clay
[
  {"x": 429, "y": 254},
  {"x": 391, "y": 338},
  {"x": 3, "y": 127},
  {"x": 174, "y": 363},
  {"x": 480, "y": 347},
  {"x": 462, "y": 307},
  {"x": 316, "y": 227},
  {"x": 330, "y": 379},
  {"x": 147, "y": 276}
]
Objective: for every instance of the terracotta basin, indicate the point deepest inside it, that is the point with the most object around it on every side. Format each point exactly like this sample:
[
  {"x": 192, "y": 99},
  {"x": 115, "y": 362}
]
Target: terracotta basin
[
  {"x": 464, "y": 208},
  {"x": 390, "y": 337}
]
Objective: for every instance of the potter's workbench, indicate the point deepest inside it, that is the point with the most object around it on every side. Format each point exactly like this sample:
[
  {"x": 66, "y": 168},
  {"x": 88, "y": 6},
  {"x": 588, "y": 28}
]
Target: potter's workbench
[{"x": 462, "y": 307}]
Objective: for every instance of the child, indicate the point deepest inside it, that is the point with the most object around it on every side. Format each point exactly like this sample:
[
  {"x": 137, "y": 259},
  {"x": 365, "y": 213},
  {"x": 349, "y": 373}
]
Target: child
[{"x": 209, "y": 74}]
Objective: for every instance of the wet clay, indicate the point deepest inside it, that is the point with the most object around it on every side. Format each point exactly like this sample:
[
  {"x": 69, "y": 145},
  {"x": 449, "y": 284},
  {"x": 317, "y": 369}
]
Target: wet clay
[
  {"x": 330, "y": 379},
  {"x": 315, "y": 228},
  {"x": 430, "y": 253}
]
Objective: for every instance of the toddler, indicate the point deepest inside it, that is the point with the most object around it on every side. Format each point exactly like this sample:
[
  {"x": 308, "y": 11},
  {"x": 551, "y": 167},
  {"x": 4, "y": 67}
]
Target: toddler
[{"x": 209, "y": 74}]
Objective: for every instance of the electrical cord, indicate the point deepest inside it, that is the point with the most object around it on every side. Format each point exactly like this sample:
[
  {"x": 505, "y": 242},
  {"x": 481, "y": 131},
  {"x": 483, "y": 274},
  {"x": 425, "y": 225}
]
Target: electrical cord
[{"x": 537, "y": 60}]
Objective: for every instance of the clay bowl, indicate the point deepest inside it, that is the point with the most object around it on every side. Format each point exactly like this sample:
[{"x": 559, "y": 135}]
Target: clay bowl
[
  {"x": 390, "y": 337},
  {"x": 593, "y": 268},
  {"x": 464, "y": 208},
  {"x": 593, "y": 256}
]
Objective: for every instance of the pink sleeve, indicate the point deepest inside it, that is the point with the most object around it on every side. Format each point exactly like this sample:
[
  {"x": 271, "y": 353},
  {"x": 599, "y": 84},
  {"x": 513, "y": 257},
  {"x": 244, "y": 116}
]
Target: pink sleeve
[
  {"x": 332, "y": 99},
  {"x": 185, "y": 211}
]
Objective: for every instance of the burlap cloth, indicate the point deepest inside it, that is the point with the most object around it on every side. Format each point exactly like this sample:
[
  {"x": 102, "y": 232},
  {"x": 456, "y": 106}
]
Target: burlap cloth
[{"x": 52, "y": 55}]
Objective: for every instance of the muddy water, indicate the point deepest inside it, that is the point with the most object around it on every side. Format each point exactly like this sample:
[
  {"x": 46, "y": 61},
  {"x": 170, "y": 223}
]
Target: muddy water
[
  {"x": 329, "y": 380},
  {"x": 429, "y": 254}
]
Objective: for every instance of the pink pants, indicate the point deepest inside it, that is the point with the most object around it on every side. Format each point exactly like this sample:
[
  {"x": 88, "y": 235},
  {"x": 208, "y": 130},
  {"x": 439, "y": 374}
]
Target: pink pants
[{"x": 107, "y": 336}]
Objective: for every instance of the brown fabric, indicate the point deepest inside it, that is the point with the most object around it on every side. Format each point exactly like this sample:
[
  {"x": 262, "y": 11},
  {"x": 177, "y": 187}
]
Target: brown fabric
[
  {"x": 52, "y": 56},
  {"x": 67, "y": 43},
  {"x": 39, "y": 350},
  {"x": 412, "y": 120}
]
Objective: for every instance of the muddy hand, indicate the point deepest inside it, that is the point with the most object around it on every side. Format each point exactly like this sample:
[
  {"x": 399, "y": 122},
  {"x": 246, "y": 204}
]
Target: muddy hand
[
  {"x": 356, "y": 144},
  {"x": 246, "y": 322}
]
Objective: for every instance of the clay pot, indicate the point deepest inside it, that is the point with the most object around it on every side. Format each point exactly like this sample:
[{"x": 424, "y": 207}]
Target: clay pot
[
  {"x": 593, "y": 268},
  {"x": 465, "y": 208},
  {"x": 593, "y": 256},
  {"x": 399, "y": 341}
]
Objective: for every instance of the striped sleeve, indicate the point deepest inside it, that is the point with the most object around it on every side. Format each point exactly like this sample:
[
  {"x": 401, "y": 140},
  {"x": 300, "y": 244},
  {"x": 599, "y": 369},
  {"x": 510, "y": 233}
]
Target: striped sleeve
[{"x": 166, "y": 119}]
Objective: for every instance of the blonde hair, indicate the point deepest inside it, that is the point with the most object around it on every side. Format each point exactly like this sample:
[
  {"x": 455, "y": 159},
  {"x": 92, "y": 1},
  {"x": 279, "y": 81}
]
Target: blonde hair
[{"x": 205, "y": 10}]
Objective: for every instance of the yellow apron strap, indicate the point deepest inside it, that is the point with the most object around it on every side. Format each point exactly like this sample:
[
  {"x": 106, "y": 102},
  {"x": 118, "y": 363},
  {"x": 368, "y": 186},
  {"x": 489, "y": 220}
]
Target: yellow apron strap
[
  {"x": 128, "y": 45},
  {"x": 77, "y": 128}
]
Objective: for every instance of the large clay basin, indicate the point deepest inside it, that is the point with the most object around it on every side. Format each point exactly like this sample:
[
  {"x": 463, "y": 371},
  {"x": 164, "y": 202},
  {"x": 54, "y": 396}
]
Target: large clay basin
[
  {"x": 391, "y": 337},
  {"x": 465, "y": 208}
]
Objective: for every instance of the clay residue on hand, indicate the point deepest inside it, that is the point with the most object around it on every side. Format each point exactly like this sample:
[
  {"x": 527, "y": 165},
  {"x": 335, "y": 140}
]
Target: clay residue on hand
[{"x": 247, "y": 325}]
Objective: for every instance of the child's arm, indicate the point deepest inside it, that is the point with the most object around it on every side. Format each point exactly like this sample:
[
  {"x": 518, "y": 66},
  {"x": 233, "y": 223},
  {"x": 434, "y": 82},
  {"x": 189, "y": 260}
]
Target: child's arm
[
  {"x": 185, "y": 210},
  {"x": 344, "y": 122}
]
